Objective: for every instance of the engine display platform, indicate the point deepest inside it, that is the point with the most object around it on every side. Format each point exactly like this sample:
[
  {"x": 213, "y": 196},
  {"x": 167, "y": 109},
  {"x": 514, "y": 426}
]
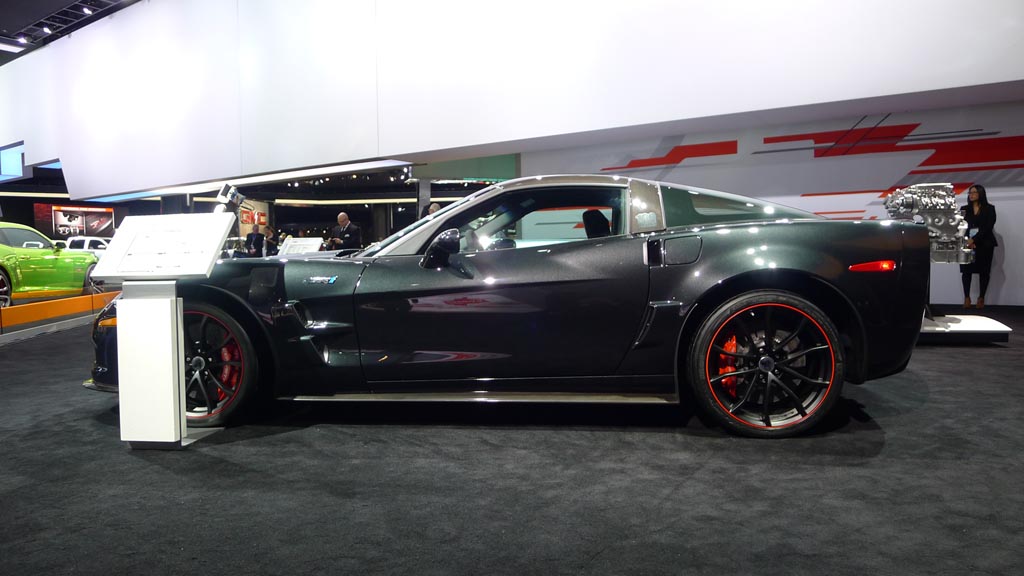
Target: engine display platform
[{"x": 965, "y": 328}]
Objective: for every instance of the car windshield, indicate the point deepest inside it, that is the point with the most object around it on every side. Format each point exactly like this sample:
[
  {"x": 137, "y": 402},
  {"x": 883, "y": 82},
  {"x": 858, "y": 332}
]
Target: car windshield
[{"x": 376, "y": 247}]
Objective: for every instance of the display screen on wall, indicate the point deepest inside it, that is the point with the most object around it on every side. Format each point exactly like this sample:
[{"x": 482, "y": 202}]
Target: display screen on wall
[{"x": 61, "y": 222}]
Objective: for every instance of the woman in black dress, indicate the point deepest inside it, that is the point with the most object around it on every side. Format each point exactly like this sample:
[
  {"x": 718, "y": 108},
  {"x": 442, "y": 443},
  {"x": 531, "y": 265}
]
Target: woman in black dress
[{"x": 981, "y": 221}]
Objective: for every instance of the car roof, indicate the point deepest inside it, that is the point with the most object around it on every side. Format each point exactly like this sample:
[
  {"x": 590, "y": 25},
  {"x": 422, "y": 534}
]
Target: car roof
[{"x": 21, "y": 226}]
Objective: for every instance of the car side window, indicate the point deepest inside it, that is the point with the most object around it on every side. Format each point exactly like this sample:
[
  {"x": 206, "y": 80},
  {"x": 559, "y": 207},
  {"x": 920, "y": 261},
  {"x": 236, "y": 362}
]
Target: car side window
[
  {"x": 19, "y": 238},
  {"x": 541, "y": 217},
  {"x": 96, "y": 245}
]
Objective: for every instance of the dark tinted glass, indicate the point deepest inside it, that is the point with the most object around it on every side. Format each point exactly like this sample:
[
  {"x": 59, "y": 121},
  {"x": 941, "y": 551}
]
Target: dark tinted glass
[{"x": 685, "y": 207}]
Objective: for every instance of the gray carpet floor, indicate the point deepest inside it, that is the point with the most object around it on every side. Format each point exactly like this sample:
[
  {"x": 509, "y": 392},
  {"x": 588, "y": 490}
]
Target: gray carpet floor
[{"x": 918, "y": 473}]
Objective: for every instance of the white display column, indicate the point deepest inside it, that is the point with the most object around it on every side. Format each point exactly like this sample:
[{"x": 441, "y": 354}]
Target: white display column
[
  {"x": 150, "y": 352},
  {"x": 148, "y": 255}
]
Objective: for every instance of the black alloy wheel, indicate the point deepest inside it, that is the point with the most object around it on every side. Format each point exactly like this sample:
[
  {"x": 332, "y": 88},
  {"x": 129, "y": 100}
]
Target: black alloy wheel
[
  {"x": 6, "y": 290},
  {"x": 767, "y": 364},
  {"x": 220, "y": 366}
]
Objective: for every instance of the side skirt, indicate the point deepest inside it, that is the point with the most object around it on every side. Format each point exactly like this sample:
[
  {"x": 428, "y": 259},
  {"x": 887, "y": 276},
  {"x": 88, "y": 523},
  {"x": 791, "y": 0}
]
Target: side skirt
[{"x": 483, "y": 396}]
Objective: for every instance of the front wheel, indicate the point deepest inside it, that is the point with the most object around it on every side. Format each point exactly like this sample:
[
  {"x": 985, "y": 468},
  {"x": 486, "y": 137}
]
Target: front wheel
[
  {"x": 221, "y": 369},
  {"x": 767, "y": 364}
]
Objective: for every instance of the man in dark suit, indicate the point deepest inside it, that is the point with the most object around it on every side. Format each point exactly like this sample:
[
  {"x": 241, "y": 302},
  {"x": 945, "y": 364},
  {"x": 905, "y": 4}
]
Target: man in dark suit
[
  {"x": 254, "y": 242},
  {"x": 345, "y": 235}
]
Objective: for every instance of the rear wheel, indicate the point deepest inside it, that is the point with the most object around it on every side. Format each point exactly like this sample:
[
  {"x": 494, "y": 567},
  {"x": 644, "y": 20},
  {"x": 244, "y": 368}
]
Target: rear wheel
[
  {"x": 6, "y": 290},
  {"x": 767, "y": 364},
  {"x": 220, "y": 366}
]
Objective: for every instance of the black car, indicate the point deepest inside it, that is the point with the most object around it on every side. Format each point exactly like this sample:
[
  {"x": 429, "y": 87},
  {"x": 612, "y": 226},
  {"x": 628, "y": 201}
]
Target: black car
[{"x": 566, "y": 289}]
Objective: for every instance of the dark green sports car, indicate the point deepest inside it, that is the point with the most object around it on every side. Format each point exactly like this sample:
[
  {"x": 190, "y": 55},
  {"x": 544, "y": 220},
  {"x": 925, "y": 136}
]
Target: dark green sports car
[
  {"x": 566, "y": 289},
  {"x": 33, "y": 268}
]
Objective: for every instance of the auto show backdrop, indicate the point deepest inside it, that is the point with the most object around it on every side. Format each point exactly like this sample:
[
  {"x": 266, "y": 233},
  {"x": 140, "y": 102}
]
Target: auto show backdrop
[
  {"x": 168, "y": 92},
  {"x": 844, "y": 169},
  {"x": 63, "y": 221}
]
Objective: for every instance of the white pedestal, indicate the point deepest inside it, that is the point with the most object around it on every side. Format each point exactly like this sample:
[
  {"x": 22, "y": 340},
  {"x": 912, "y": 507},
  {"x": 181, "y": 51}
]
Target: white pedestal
[{"x": 151, "y": 364}]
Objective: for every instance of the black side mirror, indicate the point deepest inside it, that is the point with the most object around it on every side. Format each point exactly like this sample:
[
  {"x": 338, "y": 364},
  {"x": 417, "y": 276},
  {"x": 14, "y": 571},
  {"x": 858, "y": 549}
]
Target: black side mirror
[{"x": 446, "y": 244}]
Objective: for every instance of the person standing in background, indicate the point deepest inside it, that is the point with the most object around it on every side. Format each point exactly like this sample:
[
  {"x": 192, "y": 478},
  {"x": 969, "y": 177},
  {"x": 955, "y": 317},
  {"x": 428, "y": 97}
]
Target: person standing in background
[
  {"x": 254, "y": 242},
  {"x": 272, "y": 241},
  {"x": 981, "y": 222},
  {"x": 345, "y": 235}
]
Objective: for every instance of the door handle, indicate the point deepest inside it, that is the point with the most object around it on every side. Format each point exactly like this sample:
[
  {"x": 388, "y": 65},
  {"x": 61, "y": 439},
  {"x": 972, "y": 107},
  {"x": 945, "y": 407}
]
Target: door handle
[{"x": 24, "y": 257}]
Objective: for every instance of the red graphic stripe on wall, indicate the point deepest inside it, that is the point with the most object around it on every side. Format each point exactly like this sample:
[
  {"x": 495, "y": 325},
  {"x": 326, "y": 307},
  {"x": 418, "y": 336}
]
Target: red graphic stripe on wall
[
  {"x": 969, "y": 169},
  {"x": 844, "y": 193},
  {"x": 845, "y": 139},
  {"x": 958, "y": 188},
  {"x": 680, "y": 153},
  {"x": 890, "y": 139}
]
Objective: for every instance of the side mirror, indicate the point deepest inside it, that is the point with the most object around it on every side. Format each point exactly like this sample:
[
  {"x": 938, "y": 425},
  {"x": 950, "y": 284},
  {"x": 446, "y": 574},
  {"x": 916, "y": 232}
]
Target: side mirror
[{"x": 441, "y": 249}]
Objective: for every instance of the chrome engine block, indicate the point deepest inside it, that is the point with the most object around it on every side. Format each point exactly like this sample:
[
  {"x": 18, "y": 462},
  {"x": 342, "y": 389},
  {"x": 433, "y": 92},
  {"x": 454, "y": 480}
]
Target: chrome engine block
[{"x": 935, "y": 206}]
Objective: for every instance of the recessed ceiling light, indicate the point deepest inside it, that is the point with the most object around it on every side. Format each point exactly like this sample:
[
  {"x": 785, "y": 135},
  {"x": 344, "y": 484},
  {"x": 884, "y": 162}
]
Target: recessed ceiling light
[
  {"x": 86, "y": 11},
  {"x": 47, "y": 29},
  {"x": 22, "y": 40}
]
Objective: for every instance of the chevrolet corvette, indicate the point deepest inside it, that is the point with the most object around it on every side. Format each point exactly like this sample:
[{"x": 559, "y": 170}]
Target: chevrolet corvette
[{"x": 566, "y": 289}]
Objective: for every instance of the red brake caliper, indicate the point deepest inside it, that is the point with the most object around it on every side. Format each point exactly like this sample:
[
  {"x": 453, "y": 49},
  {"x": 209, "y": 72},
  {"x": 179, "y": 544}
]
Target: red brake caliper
[
  {"x": 229, "y": 375},
  {"x": 727, "y": 364}
]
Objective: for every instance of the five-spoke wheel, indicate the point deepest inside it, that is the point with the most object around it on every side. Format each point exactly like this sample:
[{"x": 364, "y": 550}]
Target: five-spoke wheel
[
  {"x": 220, "y": 365},
  {"x": 767, "y": 363}
]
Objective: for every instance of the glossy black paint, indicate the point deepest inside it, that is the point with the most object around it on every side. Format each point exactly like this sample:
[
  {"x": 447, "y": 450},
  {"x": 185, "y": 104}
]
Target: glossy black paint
[
  {"x": 503, "y": 314},
  {"x": 612, "y": 314}
]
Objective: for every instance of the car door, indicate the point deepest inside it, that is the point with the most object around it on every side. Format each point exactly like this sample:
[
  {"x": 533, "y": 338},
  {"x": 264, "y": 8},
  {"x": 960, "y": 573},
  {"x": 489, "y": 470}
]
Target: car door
[
  {"x": 37, "y": 261},
  {"x": 528, "y": 296}
]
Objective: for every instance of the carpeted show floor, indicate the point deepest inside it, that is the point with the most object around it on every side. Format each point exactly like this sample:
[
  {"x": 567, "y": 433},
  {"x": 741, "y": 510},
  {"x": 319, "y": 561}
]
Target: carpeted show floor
[{"x": 918, "y": 473}]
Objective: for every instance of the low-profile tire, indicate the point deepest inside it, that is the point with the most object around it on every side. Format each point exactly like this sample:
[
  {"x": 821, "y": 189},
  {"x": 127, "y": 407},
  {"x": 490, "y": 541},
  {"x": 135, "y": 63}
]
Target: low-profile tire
[
  {"x": 6, "y": 290},
  {"x": 221, "y": 368},
  {"x": 767, "y": 364}
]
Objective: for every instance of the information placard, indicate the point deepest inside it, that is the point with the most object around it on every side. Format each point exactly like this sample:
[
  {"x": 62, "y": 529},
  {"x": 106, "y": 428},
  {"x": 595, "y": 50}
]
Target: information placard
[
  {"x": 165, "y": 247},
  {"x": 292, "y": 245}
]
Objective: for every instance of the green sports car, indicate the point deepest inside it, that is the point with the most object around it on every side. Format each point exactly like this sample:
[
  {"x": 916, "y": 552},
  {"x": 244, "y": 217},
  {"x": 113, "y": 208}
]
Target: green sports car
[{"x": 33, "y": 268}]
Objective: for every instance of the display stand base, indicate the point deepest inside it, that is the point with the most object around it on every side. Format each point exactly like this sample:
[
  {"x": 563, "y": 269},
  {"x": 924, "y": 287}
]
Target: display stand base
[
  {"x": 956, "y": 329},
  {"x": 137, "y": 445},
  {"x": 195, "y": 434}
]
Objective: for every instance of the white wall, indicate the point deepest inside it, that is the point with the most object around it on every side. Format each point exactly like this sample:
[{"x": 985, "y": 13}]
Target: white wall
[{"x": 173, "y": 91}]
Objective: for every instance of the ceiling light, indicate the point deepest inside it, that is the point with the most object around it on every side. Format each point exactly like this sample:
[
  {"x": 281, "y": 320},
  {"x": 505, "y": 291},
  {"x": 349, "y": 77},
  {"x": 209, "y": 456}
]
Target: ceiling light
[
  {"x": 275, "y": 177},
  {"x": 22, "y": 40},
  {"x": 86, "y": 11},
  {"x": 47, "y": 29}
]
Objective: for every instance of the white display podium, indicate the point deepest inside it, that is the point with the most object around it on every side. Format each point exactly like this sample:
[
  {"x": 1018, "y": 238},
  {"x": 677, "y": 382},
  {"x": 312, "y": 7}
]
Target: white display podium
[{"x": 148, "y": 254}]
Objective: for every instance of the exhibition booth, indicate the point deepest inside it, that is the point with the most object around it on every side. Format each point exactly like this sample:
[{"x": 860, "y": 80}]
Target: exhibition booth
[{"x": 387, "y": 286}]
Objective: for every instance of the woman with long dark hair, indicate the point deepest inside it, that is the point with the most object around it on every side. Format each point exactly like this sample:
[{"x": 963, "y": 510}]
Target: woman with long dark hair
[{"x": 981, "y": 222}]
